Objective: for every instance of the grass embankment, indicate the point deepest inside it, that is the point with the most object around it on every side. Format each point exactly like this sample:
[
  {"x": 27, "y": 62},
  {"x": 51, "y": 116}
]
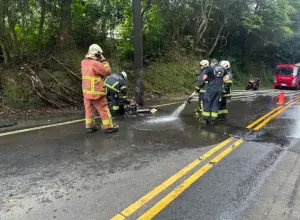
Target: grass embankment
[{"x": 170, "y": 78}]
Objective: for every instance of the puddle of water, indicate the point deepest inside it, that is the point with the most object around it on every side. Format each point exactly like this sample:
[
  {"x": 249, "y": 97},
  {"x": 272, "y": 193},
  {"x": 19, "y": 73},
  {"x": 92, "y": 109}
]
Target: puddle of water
[
  {"x": 162, "y": 119},
  {"x": 163, "y": 123},
  {"x": 160, "y": 123}
]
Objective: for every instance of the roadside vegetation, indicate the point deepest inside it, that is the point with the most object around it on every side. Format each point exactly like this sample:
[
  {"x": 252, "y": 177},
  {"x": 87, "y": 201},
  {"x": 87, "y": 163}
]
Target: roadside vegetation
[{"x": 43, "y": 41}]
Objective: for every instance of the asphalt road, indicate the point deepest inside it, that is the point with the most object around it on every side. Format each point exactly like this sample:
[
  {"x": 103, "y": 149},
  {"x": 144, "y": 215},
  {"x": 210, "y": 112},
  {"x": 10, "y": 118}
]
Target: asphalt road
[{"x": 63, "y": 173}]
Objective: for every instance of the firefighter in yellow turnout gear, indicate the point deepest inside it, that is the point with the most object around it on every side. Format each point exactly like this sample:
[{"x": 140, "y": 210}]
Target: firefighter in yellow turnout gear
[
  {"x": 227, "y": 91},
  {"x": 204, "y": 64}
]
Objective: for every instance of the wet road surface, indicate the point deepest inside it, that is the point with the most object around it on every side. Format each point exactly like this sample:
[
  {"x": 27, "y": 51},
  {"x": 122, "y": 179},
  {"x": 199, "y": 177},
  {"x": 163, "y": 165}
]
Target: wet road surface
[{"x": 64, "y": 173}]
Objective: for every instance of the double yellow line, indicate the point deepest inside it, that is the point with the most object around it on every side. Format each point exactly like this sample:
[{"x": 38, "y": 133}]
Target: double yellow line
[
  {"x": 159, "y": 206},
  {"x": 262, "y": 121}
]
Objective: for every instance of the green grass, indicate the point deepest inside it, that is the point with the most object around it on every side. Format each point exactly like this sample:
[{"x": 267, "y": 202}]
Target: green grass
[
  {"x": 173, "y": 78},
  {"x": 17, "y": 92},
  {"x": 240, "y": 79}
]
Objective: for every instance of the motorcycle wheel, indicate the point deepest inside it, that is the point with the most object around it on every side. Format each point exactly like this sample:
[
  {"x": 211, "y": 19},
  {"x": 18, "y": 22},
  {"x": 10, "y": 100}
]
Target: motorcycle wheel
[
  {"x": 248, "y": 87},
  {"x": 255, "y": 87}
]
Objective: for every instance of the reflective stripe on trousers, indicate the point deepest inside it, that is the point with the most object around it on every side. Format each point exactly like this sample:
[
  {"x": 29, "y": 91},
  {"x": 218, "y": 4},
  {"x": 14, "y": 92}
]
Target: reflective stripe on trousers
[
  {"x": 210, "y": 114},
  {"x": 206, "y": 114},
  {"x": 101, "y": 106},
  {"x": 224, "y": 111},
  {"x": 214, "y": 114},
  {"x": 201, "y": 105},
  {"x": 116, "y": 108},
  {"x": 90, "y": 122}
]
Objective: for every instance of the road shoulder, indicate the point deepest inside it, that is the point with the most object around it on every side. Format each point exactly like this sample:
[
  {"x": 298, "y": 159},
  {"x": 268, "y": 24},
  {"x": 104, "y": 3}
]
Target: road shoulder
[{"x": 279, "y": 195}]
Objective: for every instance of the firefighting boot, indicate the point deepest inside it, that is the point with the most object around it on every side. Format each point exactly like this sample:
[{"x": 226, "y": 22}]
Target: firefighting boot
[
  {"x": 223, "y": 117},
  {"x": 220, "y": 117},
  {"x": 112, "y": 130},
  {"x": 204, "y": 121},
  {"x": 212, "y": 122},
  {"x": 116, "y": 113},
  {"x": 93, "y": 129},
  {"x": 197, "y": 112}
]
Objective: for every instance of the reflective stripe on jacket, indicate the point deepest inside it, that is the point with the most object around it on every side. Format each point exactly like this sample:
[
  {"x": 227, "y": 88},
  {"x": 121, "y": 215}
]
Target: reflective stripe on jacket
[
  {"x": 116, "y": 83},
  {"x": 227, "y": 87},
  {"x": 93, "y": 72}
]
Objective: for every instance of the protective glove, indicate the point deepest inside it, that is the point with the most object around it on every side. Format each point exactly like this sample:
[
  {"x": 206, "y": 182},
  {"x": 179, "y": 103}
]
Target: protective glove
[
  {"x": 102, "y": 58},
  {"x": 221, "y": 92}
]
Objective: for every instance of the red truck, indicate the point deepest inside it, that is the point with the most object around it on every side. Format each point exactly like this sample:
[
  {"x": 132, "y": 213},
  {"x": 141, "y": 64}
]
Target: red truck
[{"x": 287, "y": 76}]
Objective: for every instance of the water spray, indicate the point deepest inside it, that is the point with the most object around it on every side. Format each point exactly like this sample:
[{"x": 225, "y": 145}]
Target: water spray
[{"x": 177, "y": 112}]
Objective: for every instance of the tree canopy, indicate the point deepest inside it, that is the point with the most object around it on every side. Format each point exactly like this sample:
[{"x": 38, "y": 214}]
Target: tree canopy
[{"x": 239, "y": 30}]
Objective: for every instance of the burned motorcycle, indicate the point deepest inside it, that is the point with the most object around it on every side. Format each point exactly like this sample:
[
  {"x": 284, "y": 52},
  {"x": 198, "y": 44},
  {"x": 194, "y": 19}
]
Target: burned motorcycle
[
  {"x": 133, "y": 109},
  {"x": 130, "y": 108},
  {"x": 253, "y": 83}
]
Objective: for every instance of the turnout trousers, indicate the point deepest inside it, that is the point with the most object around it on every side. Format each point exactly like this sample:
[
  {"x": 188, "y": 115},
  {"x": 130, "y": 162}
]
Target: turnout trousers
[
  {"x": 211, "y": 103},
  {"x": 201, "y": 97},
  {"x": 101, "y": 106},
  {"x": 223, "y": 111},
  {"x": 115, "y": 99},
  {"x": 200, "y": 101},
  {"x": 117, "y": 103}
]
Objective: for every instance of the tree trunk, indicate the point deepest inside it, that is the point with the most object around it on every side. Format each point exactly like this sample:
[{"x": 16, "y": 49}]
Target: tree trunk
[
  {"x": 200, "y": 31},
  {"x": 217, "y": 38},
  {"x": 42, "y": 21},
  {"x": 65, "y": 39},
  {"x": 148, "y": 7},
  {"x": 138, "y": 51},
  {"x": 205, "y": 19},
  {"x": 4, "y": 51},
  {"x": 3, "y": 40},
  {"x": 13, "y": 38}
]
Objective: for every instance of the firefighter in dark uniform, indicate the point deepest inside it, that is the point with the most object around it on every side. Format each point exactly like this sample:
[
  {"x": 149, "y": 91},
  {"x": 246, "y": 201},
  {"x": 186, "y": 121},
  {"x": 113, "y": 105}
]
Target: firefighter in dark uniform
[
  {"x": 227, "y": 91},
  {"x": 204, "y": 64},
  {"x": 117, "y": 91},
  {"x": 214, "y": 75}
]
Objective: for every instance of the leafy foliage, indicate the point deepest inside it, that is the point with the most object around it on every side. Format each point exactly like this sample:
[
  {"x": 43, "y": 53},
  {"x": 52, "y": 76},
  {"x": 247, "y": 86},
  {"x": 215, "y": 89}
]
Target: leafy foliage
[{"x": 246, "y": 32}]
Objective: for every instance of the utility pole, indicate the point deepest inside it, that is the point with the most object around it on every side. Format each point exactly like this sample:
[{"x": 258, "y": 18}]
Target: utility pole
[{"x": 138, "y": 51}]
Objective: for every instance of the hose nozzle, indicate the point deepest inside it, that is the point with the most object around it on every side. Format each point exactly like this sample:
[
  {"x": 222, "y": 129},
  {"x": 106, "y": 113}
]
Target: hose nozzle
[{"x": 188, "y": 100}]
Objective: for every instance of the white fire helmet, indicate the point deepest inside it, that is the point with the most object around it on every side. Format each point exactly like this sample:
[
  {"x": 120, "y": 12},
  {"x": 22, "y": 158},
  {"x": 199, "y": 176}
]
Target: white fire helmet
[
  {"x": 204, "y": 63},
  {"x": 94, "y": 51},
  {"x": 225, "y": 64},
  {"x": 124, "y": 74}
]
